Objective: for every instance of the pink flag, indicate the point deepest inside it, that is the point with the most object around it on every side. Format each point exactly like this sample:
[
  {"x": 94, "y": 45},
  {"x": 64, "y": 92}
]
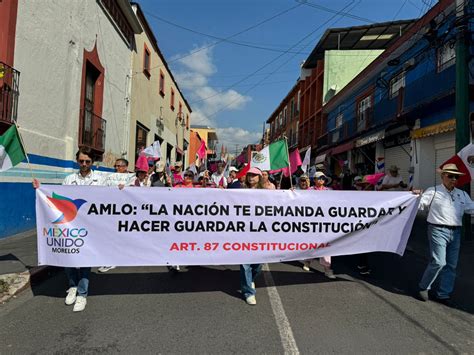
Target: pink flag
[
  {"x": 374, "y": 178},
  {"x": 201, "y": 153},
  {"x": 295, "y": 162}
]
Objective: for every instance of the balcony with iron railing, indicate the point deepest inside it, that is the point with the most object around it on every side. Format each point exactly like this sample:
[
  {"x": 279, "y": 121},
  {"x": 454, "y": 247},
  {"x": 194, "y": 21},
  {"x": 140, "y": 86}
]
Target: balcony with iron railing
[
  {"x": 92, "y": 133},
  {"x": 9, "y": 93}
]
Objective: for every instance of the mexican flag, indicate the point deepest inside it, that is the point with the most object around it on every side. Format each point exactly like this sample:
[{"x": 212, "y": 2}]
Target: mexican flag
[
  {"x": 11, "y": 150},
  {"x": 272, "y": 157},
  {"x": 464, "y": 161}
]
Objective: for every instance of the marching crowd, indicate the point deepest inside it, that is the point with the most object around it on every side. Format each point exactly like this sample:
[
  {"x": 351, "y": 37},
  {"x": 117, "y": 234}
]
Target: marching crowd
[{"x": 445, "y": 205}]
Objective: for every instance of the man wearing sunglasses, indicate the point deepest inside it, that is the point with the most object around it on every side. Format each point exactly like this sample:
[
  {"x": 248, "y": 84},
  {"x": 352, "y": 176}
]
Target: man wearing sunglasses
[
  {"x": 78, "y": 278},
  {"x": 446, "y": 205}
]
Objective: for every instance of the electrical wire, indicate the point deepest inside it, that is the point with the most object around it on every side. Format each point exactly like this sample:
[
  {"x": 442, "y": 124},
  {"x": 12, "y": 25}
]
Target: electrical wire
[
  {"x": 220, "y": 39},
  {"x": 301, "y": 40},
  {"x": 229, "y": 37}
]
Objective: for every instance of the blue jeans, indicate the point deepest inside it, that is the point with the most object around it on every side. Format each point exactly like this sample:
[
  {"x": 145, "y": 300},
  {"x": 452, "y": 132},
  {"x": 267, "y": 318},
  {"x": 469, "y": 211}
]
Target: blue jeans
[
  {"x": 444, "y": 251},
  {"x": 248, "y": 273},
  {"x": 78, "y": 278}
]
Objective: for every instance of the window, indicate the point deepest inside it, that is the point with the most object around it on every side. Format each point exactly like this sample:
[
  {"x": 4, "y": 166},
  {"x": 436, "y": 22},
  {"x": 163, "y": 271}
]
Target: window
[
  {"x": 292, "y": 108},
  {"x": 285, "y": 115},
  {"x": 446, "y": 55},
  {"x": 140, "y": 138},
  {"x": 298, "y": 102},
  {"x": 281, "y": 119},
  {"x": 339, "y": 120},
  {"x": 180, "y": 111},
  {"x": 162, "y": 84},
  {"x": 396, "y": 84},
  {"x": 364, "y": 107},
  {"x": 146, "y": 61},
  {"x": 187, "y": 121},
  {"x": 172, "y": 99}
]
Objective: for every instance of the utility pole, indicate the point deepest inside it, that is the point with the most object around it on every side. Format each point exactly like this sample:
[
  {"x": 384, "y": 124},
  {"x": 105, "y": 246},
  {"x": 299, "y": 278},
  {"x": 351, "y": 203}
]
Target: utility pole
[{"x": 463, "y": 132}]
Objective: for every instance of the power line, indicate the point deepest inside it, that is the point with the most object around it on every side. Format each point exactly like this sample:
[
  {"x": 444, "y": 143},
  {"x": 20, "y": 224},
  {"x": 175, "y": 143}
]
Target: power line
[
  {"x": 297, "y": 43},
  {"x": 229, "y": 37},
  {"x": 220, "y": 39}
]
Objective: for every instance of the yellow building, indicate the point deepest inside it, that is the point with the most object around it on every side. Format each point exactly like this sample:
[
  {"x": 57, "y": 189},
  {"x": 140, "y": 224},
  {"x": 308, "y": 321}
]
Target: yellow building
[
  {"x": 158, "y": 109},
  {"x": 209, "y": 136}
]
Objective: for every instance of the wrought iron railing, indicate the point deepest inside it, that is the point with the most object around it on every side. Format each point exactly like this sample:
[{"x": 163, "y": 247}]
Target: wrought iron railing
[
  {"x": 9, "y": 93},
  {"x": 93, "y": 131}
]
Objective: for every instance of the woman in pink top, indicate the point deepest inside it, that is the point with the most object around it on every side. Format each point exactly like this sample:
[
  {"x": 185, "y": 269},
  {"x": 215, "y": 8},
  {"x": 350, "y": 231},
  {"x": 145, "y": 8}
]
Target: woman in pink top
[{"x": 319, "y": 182}]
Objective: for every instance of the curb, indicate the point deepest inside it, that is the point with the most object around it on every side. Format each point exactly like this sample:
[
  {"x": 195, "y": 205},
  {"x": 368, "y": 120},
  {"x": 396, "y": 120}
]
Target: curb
[{"x": 34, "y": 276}]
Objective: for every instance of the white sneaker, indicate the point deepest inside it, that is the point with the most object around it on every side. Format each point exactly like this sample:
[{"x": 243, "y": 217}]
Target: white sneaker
[
  {"x": 80, "y": 304},
  {"x": 306, "y": 265},
  {"x": 329, "y": 274},
  {"x": 252, "y": 285},
  {"x": 71, "y": 296},
  {"x": 106, "y": 268},
  {"x": 251, "y": 300}
]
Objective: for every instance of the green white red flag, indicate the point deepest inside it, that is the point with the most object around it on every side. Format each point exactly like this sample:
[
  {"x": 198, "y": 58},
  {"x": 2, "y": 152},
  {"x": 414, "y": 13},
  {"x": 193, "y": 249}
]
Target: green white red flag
[{"x": 11, "y": 150}]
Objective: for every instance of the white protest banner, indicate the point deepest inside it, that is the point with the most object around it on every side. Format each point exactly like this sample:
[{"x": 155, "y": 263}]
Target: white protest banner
[{"x": 94, "y": 226}]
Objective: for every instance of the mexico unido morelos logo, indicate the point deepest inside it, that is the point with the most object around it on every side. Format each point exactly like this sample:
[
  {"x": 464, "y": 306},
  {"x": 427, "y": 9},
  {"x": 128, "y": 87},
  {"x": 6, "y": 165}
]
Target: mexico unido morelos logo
[{"x": 62, "y": 239}]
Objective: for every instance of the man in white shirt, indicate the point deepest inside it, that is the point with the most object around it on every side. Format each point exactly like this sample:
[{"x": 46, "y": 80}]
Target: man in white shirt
[
  {"x": 78, "y": 278},
  {"x": 218, "y": 177},
  {"x": 393, "y": 181},
  {"x": 446, "y": 205}
]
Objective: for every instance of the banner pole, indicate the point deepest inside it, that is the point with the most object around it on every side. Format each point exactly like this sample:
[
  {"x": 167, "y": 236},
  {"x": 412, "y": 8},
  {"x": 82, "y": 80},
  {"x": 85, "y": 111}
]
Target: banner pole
[
  {"x": 289, "y": 162},
  {"x": 24, "y": 149}
]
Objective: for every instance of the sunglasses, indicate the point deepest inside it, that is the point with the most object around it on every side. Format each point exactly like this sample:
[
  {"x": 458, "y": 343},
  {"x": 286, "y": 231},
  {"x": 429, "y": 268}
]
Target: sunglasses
[
  {"x": 87, "y": 161},
  {"x": 451, "y": 176}
]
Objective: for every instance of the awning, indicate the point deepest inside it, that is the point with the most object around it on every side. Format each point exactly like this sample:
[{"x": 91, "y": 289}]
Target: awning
[
  {"x": 438, "y": 128},
  {"x": 343, "y": 148},
  {"x": 370, "y": 138},
  {"x": 322, "y": 157}
]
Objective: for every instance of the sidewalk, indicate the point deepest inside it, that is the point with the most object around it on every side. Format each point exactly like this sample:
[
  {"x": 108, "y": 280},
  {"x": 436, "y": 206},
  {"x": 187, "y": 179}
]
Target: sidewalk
[
  {"x": 19, "y": 260},
  {"x": 18, "y": 264}
]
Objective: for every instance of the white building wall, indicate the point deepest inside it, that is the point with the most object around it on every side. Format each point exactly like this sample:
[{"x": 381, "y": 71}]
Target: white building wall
[{"x": 50, "y": 42}]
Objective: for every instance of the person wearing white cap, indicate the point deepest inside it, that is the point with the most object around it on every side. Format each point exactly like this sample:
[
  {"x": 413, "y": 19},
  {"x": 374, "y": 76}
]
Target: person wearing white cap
[
  {"x": 159, "y": 177},
  {"x": 393, "y": 181},
  {"x": 218, "y": 177},
  {"x": 446, "y": 206}
]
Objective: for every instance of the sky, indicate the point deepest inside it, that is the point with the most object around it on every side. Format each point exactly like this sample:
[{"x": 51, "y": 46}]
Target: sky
[{"x": 236, "y": 60}]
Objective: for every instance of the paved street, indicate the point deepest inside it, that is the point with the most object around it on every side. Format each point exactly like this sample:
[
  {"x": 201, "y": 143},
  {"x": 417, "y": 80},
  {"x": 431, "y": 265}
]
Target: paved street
[{"x": 149, "y": 310}]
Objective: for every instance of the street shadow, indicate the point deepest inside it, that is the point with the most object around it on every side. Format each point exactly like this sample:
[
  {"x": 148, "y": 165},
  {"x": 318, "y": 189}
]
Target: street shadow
[
  {"x": 191, "y": 279},
  {"x": 10, "y": 263}
]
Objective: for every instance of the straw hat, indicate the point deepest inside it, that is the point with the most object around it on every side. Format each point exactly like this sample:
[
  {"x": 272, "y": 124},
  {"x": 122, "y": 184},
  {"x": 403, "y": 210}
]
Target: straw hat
[{"x": 450, "y": 169}]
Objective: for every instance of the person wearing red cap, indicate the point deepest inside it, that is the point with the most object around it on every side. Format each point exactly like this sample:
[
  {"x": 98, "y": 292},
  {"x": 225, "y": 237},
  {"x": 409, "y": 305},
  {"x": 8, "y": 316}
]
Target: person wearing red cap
[
  {"x": 248, "y": 272},
  {"x": 141, "y": 169}
]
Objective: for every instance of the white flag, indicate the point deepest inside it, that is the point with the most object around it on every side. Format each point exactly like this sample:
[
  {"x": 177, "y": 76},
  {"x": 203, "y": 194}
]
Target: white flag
[
  {"x": 306, "y": 160},
  {"x": 153, "y": 151}
]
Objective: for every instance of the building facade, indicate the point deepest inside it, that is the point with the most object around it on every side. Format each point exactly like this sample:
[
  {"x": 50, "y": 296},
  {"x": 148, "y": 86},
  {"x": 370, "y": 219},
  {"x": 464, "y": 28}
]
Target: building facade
[
  {"x": 401, "y": 109},
  {"x": 159, "y": 110},
  {"x": 74, "y": 58}
]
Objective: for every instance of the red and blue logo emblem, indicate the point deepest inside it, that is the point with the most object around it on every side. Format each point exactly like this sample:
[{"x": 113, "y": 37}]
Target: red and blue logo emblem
[{"x": 66, "y": 206}]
